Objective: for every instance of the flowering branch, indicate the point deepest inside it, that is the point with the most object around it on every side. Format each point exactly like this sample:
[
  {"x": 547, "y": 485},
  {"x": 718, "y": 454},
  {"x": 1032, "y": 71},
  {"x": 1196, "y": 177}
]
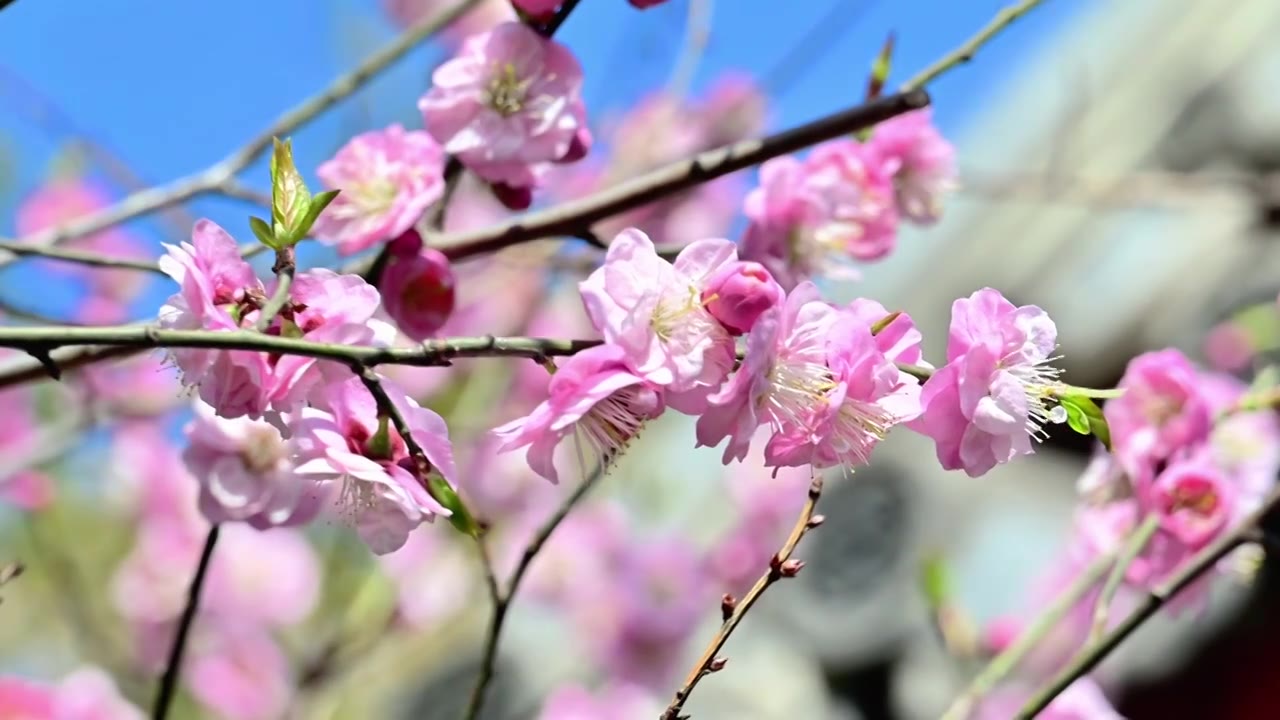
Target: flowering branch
[
  {"x": 169, "y": 680},
  {"x": 1155, "y": 599},
  {"x": 502, "y": 600},
  {"x": 780, "y": 566},
  {"x": 577, "y": 216},
  {"x": 121, "y": 340},
  {"x": 220, "y": 175},
  {"x": 965, "y": 52}
]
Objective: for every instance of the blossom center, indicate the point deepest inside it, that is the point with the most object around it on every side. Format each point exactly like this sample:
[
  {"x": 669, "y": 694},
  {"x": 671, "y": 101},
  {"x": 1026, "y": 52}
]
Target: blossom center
[
  {"x": 671, "y": 312},
  {"x": 262, "y": 449},
  {"x": 1196, "y": 496},
  {"x": 376, "y": 195},
  {"x": 1038, "y": 380},
  {"x": 507, "y": 93},
  {"x": 796, "y": 389},
  {"x": 614, "y": 422}
]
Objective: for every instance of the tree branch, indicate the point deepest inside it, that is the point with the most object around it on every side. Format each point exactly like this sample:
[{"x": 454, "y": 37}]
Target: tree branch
[
  {"x": 1201, "y": 563},
  {"x": 169, "y": 681},
  {"x": 217, "y": 176},
  {"x": 21, "y": 249},
  {"x": 577, "y": 216},
  {"x": 502, "y": 601},
  {"x": 780, "y": 565},
  {"x": 965, "y": 52}
]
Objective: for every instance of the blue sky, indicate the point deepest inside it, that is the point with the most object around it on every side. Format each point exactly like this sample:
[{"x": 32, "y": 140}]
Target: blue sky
[{"x": 170, "y": 87}]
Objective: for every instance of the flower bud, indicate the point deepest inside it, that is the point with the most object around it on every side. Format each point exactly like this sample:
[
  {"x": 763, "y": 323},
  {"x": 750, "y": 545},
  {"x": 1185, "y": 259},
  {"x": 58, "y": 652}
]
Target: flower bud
[
  {"x": 418, "y": 289},
  {"x": 578, "y": 147},
  {"x": 513, "y": 198},
  {"x": 537, "y": 10},
  {"x": 739, "y": 293},
  {"x": 642, "y": 4}
]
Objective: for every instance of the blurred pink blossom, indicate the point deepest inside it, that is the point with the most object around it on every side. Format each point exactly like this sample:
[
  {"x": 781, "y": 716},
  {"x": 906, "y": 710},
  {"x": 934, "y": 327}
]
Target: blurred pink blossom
[
  {"x": 1082, "y": 700},
  {"x": 432, "y": 576},
  {"x": 86, "y": 694},
  {"x": 239, "y": 672},
  {"x": 1161, "y": 413},
  {"x": 388, "y": 178},
  {"x": 921, "y": 162},
  {"x": 616, "y": 702}
]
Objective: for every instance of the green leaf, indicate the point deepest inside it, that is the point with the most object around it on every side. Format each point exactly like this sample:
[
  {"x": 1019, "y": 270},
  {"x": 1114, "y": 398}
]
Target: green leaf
[
  {"x": 1266, "y": 379},
  {"x": 318, "y": 204},
  {"x": 262, "y": 231},
  {"x": 1085, "y": 417},
  {"x": 461, "y": 519},
  {"x": 1076, "y": 419},
  {"x": 290, "y": 199}
]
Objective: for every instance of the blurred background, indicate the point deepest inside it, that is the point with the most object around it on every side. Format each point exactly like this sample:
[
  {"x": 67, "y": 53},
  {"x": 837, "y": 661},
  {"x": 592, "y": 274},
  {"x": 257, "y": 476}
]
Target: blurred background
[{"x": 1118, "y": 167}]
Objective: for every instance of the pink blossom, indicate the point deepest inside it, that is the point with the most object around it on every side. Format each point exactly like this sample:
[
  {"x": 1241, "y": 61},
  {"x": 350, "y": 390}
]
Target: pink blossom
[
  {"x": 430, "y": 574},
  {"x": 617, "y": 702},
  {"x": 738, "y": 293},
  {"x": 920, "y": 161},
  {"x": 1194, "y": 501},
  {"x": 556, "y": 575},
  {"x": 28, "y": 490},
  {"x": 986, "y": 404},
  {"x": 592, "y": 395},
  {"x": 507, "y": 105},
  {"x": 138, "y": 387},
  {"x": 417, "y": 287},
  {"x": 653, "y": 310},
  {"x": 351, "y": 444},
  {"x": 388, "y": 179},
  {"x": 86, "y": 694},
  {"x": 67, "y": 199},
  {"x": 1229, "y": 347},
  {"x": 217, "y": 288},
  {"x": 644, "y": 4},
  {"x": 657, "y": 594},
  {"x": 240, "y": 673},
  {"x": 814, "y": 217},
  {"x": 269, "y": 578},
  {"x": 1244, "y": 445},
  {"x": 19, "y": 436},
  {"x": 815, "y": 375},
  {"x": 899, "y": 340},
  {"x": 540, "y": 10},
  {"x": 246, "y": 472},
  {"x": 1162, "y": 411}
]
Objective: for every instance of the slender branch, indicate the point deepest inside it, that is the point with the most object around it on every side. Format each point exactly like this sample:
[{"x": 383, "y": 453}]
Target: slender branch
[
  {"x": 74, "y": 256},
  {"x": 169, "y": 681},
  {"x": 558, "y": 19},
  {"x": 215, "y": 177},
  {"x": 780, "y": 565},
  {"x": 122, "y": 339},
  {"x": 6, "y": 3},
  {"x": 502, "y": 600},
  {"x": 1155, "y": 599},
  {"x": 965, "y": 52},
  {"x": 577, "y": 216},
  {"x": 1026, "y": 641},
  {"x": 286, "y": 265},
  {"x": 1137, "y": 541}
]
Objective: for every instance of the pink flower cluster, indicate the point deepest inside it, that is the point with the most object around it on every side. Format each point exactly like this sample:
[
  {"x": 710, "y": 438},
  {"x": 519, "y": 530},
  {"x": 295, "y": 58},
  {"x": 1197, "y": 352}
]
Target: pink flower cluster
[
  {"x": 509, "y": 107},
  {"x": 1183, "y": 456},
  {"x": 259, "y": 583},
  {"x": 278, "y": 438},
  {"x": 823, "y": 379},
  {"x": 845, "y": 200}
]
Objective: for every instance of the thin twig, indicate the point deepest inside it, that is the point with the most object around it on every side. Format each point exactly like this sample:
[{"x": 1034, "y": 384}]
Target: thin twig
[
  {"x": 74, "y": 256},
  {"x": 1155, "y": 599},
  {"x": 216, "y": 176},
  {"x": 780, "y": 565},
  {"x": 965, "y": 52},
  {"x": 1137, "y": 541},
  {"x": 172, "y": 668},
  {"x": 1004, "y": 663},
  {"x": 502, "y": 600},
  {"x": 286, "y": 265}
]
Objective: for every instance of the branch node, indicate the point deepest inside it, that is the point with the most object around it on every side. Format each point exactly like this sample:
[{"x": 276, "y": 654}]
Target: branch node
[{"x": 41, "y": 354}]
